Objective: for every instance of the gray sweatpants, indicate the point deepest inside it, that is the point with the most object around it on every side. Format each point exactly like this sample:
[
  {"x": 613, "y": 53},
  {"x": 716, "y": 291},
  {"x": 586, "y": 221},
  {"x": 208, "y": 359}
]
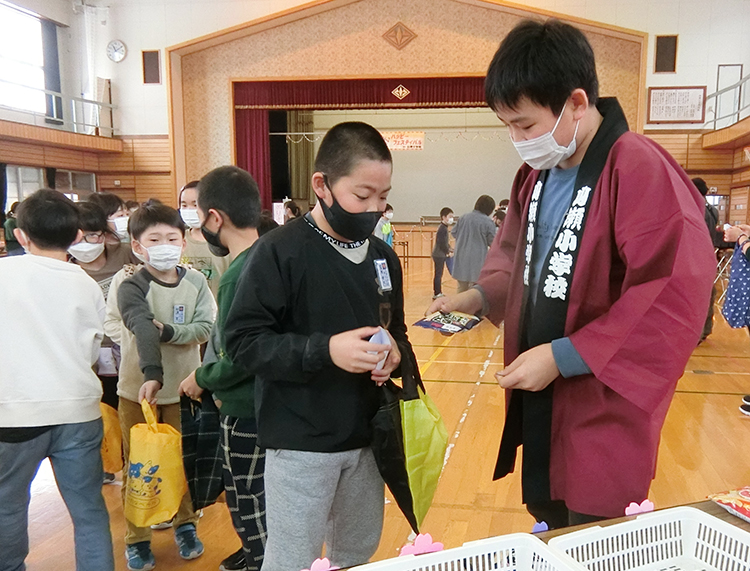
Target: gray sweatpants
[{"x": 314, "y": 498}]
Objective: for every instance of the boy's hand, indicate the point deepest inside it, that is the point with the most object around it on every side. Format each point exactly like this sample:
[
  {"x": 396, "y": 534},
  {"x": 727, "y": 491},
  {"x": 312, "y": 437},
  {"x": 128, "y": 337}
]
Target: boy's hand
[
  {"x": 469, "y": 302},
  {"x": 532, "y": 370},
  {"x": 380, "y": 376},
  {"x": 148, "y": 391},
  {"x": 159, "y": 325},
  {"x": 189, "y": 387},
  {"x": 349, "y": 350}
]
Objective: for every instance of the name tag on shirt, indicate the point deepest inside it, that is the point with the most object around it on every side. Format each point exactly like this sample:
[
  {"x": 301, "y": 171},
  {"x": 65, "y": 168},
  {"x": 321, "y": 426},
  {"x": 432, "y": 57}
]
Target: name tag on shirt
[
  {"x": 383, "y": 275},
  {"x": 179, "y": 314}
]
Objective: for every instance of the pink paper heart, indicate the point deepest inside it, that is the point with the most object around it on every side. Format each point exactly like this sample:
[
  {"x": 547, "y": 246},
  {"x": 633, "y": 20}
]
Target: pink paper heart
[
  {"x": 321, "y": 565},
  {"x": 422, "y": 544},
  {"x": 642, "y": 508}
]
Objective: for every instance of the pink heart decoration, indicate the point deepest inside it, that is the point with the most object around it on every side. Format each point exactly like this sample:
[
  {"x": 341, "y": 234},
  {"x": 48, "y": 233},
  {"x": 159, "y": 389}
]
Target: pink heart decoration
[
  {"x": 321, "y": 565},
  {"x": 642, "y": 508},
  {"x": 422, "y": 544}
]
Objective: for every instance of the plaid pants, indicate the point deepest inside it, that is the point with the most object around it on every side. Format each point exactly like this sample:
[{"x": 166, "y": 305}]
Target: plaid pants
[{"x": 243, "y": 481}]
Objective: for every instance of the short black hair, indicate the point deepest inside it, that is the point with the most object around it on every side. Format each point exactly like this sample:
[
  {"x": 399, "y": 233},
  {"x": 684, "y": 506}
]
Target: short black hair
[
  {"x": 387, "y": 207},
  {"x": 92, "y": 218},
  {"x": 345, "y": 145},
  {"x": 266, "y": 224},
  {"x": 543, "y": 62},
  {"x": 485, "y": 204},
  {"x": 701, "y": 185},
  {"x": 445, "y": 212},
  {"x": 109, "y": 202},
  {"x": 499, "y": 214},
  {"x": 132, "y": 204},
  {"x": 49, "y": 218},
  {"x": 232, "y": 191},
  {"x": 152, "y": 213}
]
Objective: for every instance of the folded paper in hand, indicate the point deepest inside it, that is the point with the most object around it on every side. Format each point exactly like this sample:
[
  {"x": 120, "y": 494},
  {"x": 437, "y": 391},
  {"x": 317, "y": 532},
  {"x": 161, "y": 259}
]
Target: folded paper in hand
[{"x": 381, "y": 338}]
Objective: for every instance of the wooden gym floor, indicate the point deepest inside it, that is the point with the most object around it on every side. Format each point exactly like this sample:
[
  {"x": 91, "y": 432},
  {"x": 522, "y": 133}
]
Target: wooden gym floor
[{"x": 704, "y": 447}]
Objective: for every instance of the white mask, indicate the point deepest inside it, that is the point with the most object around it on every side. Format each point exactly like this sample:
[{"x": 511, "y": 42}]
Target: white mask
[
  {"x": 121, "y": 226},
  {"x": 543, "y": 152},
  {"x": 190, "y": 217},
  {"x": 450, "y": 220},
  {"x": 163, "y": 257},
  {"x": 85, "y": 252},
  {"x": 388, "y": 215}
]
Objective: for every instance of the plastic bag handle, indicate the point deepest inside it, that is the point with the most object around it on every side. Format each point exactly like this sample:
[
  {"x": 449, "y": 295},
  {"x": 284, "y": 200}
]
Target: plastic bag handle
[{"x": 149, "y": 415}]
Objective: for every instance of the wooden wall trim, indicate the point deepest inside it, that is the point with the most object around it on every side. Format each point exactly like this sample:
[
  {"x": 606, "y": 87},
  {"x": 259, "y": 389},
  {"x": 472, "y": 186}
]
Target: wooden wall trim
[
  {"x": 730, "y": 137},
  {"x": 34, "y": 134}
]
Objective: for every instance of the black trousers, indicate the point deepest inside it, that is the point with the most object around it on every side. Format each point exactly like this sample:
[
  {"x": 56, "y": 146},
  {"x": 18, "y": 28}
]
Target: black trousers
[
  {"x": 438, "y": 279},
  {"x": 556, "y": 514}
]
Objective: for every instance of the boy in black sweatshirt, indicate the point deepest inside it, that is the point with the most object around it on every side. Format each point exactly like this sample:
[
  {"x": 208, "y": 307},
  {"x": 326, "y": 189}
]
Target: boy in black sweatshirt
[
  {"x": 311, "y": 295},
  {"x": 441, "y": 251}
]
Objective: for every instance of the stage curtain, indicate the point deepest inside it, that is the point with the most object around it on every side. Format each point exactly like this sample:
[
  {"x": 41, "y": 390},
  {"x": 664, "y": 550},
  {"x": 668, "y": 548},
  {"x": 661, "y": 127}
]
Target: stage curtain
[
  {"x": 254, "y": 149},
  {"x": 360, "y": 93},
  {"x": 301, "y": 155}
]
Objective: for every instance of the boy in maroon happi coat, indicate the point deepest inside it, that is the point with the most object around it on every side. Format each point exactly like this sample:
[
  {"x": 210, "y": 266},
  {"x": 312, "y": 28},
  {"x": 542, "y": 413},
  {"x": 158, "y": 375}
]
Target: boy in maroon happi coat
[{"x": 600, "y": 273}]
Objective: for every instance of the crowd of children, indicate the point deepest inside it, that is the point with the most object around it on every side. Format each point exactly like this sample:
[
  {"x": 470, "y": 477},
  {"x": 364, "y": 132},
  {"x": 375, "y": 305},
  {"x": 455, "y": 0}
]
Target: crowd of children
[{"x": 290, "y": 363}]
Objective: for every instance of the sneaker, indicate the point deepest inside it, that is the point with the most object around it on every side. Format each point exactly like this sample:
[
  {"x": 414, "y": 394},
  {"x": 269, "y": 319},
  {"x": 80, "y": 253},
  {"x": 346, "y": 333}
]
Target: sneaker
[
  {"x": 235, "y": 562},
  {"x": 187, "y": 541},
  {"x": 108, "y": 478},
  {"x": 745, "y": 409},
  {"x": 162, "y": 525},
  {"x": 139, "y": 556},
  {"x": 746, "y": 399}
]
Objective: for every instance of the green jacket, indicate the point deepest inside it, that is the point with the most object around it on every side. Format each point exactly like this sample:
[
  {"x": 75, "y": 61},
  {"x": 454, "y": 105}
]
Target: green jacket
[{"x": 231, "y": 384}]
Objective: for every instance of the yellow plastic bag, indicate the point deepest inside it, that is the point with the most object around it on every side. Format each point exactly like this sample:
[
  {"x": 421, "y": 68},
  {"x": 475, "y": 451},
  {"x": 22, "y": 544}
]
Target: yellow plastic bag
[
  {"x": 112, "y": 441},
  {"x": 156, "y": 475},
  {"x": 425, "y": 441}
]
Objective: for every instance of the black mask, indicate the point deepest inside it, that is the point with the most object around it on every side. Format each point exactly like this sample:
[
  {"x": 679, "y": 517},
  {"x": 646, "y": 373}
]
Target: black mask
[
  {"x": 214, "y": 243},
  {"x": 352, "y": 226}
]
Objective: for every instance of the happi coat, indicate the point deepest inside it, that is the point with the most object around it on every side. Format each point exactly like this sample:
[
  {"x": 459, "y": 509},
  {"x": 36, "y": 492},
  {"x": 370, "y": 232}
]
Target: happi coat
[{"x": 636, "y": 304}]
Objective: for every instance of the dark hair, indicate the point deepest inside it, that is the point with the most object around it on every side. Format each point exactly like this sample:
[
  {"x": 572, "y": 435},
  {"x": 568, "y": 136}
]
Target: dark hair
[
  {"x": 232, "y": 191},
  {"x": 109, "y": 202},
  {"x": 191, "y": 184},
  {"x": 543, "y": 62},
  {"x": 152, "y": 213},
  {"x": 292, "y": 206},
  {"x": 701, "y": 185},
  {"x": 499, "y": 215},
  {"x": 485, "y": 204},
  {"x": 266, "y": 224},
  {"x": 503, "y": 202},
  {"x": 132, "y": 204},
  {"x": 13, "y": 207},
  {"x": 387, "y": 207},
  {"x": 92, "y": 218},
  {"x": 345, "y": 145},
  {"x": 50, "y": 219},
  {"x": 445, "y": 212}
]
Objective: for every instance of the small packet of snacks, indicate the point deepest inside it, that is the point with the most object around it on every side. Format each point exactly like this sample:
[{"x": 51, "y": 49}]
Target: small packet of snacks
[
  {"x": 448, "y": 323},
  {"x": 736, "y": 502}
]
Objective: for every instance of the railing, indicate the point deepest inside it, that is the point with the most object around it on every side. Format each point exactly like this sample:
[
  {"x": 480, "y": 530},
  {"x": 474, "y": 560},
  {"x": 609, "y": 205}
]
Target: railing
[
  {"x": 74, "y": 114},
  {"x": 728, "y": 105}
]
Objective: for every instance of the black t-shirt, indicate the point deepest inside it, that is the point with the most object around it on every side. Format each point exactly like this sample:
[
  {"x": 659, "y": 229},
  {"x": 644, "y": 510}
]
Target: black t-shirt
[{"x": 295, "y": 292}]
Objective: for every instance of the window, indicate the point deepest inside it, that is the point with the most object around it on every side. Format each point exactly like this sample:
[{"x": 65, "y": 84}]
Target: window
[
  {"x": 21, "y": 60},
  {"x": 151, "y": 67},
  {"x": 666, "y": 54},
  {"x": 22, "y": 181}
]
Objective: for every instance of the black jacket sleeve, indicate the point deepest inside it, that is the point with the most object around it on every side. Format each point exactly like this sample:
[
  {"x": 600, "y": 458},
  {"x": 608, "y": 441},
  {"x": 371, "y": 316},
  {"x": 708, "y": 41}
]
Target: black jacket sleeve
[{"x": 254, "y": 333}]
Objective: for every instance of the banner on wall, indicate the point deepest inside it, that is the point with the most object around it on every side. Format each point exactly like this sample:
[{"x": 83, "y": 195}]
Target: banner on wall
[{"x": 404, "y": 140}]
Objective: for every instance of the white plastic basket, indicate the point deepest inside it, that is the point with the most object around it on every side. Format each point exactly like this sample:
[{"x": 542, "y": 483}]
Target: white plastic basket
[
  {"x": 515, "y": 552},
  {"x": 676, "y": 539}
]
